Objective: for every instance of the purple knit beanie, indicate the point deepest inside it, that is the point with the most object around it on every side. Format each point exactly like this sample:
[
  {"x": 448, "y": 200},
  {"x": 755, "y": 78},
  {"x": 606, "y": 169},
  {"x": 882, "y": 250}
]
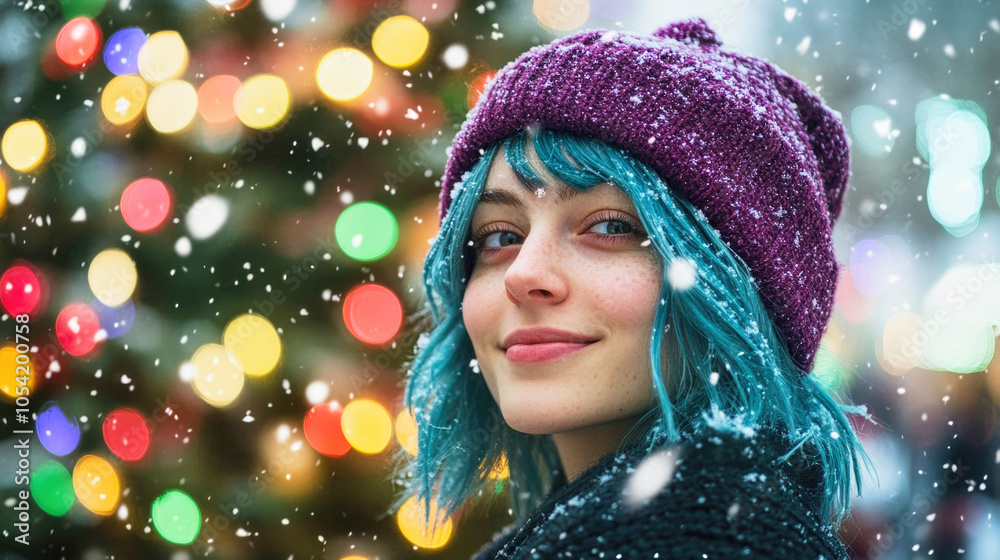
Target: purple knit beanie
[{"x": 754, "y": 149}]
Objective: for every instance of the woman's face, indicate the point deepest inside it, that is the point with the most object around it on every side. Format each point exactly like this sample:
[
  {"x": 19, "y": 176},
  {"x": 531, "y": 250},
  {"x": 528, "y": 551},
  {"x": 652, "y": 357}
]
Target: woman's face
[{"x": 576, "y": 265}]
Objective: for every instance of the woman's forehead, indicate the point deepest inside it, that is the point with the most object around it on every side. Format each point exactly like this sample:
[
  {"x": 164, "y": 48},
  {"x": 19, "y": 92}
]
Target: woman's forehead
[{"x": 504, "y": 187}]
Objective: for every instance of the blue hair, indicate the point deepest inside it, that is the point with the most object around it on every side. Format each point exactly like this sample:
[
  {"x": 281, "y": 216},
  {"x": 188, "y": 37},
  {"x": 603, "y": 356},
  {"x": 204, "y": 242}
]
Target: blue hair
[{"x": 725, "y": 359}]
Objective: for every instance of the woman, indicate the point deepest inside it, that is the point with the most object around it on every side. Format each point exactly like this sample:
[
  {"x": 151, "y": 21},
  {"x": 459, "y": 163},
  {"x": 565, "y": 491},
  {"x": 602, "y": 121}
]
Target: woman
[{"x": 631, "y": 279}]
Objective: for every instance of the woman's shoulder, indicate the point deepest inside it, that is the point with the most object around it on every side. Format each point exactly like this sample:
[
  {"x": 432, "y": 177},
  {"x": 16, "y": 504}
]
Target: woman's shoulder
[{"x": 718, "y": 491}]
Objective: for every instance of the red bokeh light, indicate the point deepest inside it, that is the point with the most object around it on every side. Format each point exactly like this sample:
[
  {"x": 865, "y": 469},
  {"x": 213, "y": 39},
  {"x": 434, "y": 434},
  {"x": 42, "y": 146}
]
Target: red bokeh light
[
  {"x": 323, "y": 430},
  {"x": 126, "y": 434},
  {"x": 76, "y": 328},
  {"x": 78, "y": 41}
]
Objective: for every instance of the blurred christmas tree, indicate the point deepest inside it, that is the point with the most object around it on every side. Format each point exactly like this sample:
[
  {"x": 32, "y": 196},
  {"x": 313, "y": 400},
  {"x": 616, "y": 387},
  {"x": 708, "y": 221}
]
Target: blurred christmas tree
[{"x": 214, "y": 220}]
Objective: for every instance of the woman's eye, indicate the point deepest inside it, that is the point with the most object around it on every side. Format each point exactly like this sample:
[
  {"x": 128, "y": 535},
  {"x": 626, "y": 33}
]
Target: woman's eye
[
  {"x": 616, "y": 227},
  {"x": 501, "y": 237}
]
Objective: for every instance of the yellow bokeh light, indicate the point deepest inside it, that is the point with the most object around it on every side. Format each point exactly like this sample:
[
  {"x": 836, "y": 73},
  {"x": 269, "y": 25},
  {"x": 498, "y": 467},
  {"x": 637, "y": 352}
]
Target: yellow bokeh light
[
  {"x": 96, "y": 484},
  {"x": 25, "y": 145},
  {"x": 253, "y": 344},
  {"x": 367, "y": 425},
  {"x": 9, "y": 374},
  {"x": 172, "y": 106},
  {"x": 558, "y": 15},
  {"x": 411, "y": 519},
  {"x": 263, "y": 101},
  {"x": 400, "y": 41},
  {"x": 163, "y": 57},
  {"x": 344, "y": 74},
  {"x": 124, "y": 98},
  {"x": 902, "y": 343},
  {"x": 3, "y": 193},
  {"x": 406, "y": 431},
  {"x": 215, "y": 378},
  {"x": 298, "y": 460},
  {"x": 112, "y": 277}
]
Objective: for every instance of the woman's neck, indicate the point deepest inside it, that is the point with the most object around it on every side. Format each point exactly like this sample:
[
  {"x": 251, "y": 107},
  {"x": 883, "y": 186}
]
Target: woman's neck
[{"x": 581, "y": 448}]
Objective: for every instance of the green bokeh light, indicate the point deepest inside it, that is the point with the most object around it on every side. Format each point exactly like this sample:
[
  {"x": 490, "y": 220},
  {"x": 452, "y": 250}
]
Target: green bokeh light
[
  {"x": 176, "y": 517},
  {"x": 52, "y": 488},
  {"x": 962, "y": 346},
  {"x": 366, "y": 231},
  {"x": 830, "y": 370},
  {"x": 78, "y": 8},
  {"x": 871, "y": 129}
]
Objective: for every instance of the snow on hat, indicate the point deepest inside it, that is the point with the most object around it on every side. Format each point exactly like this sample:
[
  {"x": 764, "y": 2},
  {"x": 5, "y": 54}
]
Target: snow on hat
[{"x": 754, "y": 149}]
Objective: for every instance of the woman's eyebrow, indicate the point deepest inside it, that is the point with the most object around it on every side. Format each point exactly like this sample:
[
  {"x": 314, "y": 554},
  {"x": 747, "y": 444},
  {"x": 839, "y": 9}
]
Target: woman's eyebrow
[{"x": 506, "y": 198}]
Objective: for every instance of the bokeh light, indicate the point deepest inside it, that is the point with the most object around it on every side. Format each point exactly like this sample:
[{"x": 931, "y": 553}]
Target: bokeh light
[
  {"x": 876, "y": 263},
  {"x": 367, "y": 425},
  {"x": 171, "y": 106},
  {"x": 146, "y": 204},
  {"x": 433, "y": 11},
  {"x": 400, "y": 41},
  {"x": 277, "y": 10},
  {"x": 216, "y": 97},
  {"x": 214, "y": 377},
  {"x": 20, "y": 290},
  {"x": 373, "y": 313},
  {"x": 78, "y": 41},
  {"x": 829, "y": 368},
  {"x": 121, "y": 53},
  {"x": 78, "y": 328},
  {"x": 901, "y": 346},
  {"x": 412, "y": 520},
  {"x": 344, "y": 74},
  {"x": 84, "y": 8},
  {"x": 253, "y": 344},
  {"x": 290, "y": 449},
  {"x": 96, "y": 484},
  {"x": 163, "y": 57},
  {"x": 112, "y": 277},
  {"x": 25, "y": 145},
  {"x": 871, "y": 130},
  {"x": 954, "y": 195},
  {"x": 558, "y": 15},
  {"x": 478, "y": 86},
  {"x": 58, "y": 432},
  {"x": 11, "y": 376},
  {"x": 176, "y": 517},
  {"x": 322, "y": 427},
  {"x": 115, "y": 320},
  {"x": 124, "y": 99},
  {"x": 262, "y": 101},
  {"x": 963, "y": 345},
  {"x": 366, "y": 231},
  {"x": 953, "y": 137},
  {"x": 52, "y": 488},
  {"x": 126, "y": 434},
  {"x": 406, "y": 431}
]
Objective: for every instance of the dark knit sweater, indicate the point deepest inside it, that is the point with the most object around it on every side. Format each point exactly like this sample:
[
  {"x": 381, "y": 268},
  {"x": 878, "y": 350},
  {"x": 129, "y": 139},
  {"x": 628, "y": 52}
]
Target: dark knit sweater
[{"x": 728, "y": 498}]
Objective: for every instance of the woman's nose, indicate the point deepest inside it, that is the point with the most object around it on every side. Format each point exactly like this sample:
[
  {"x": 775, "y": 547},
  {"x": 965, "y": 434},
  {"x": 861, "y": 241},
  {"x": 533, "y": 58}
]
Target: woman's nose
[{"x": 536, "y": 275}]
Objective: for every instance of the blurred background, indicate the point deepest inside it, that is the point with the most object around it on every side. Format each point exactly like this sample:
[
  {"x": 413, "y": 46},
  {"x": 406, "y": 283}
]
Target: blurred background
[{"x": 213, "y": 219}]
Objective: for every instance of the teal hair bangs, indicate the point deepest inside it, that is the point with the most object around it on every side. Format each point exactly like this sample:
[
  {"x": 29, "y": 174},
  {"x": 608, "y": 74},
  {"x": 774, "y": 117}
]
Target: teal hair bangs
[{"x": 724, "y": 358}]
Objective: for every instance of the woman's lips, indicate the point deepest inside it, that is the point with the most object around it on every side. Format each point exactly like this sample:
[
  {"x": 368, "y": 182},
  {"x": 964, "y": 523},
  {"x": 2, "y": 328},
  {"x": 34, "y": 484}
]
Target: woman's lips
[{"x": 543, "y": 352}]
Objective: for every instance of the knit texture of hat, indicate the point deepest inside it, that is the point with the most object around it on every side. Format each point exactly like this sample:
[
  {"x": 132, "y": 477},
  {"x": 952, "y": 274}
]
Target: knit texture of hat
[{"x": 754, "y": 149}]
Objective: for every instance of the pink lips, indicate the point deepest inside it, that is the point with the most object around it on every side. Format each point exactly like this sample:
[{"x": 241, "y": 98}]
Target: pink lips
[{"x": 531, "y": 353}]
